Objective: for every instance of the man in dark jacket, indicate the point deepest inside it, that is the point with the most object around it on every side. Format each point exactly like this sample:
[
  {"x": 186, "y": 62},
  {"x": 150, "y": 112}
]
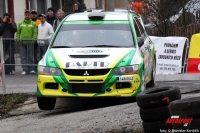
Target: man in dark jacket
[
  {"x": 77, "y": 7},
  {"x": 50, "y": 16},
  {"x": 7, "y": 30}
]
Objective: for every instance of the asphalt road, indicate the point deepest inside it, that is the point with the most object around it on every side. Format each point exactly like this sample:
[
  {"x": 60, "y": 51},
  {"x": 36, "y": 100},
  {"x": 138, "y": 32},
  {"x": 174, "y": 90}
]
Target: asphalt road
[
  {"x": 107, "y": 115},
  {"x": 20, "y": 83}
]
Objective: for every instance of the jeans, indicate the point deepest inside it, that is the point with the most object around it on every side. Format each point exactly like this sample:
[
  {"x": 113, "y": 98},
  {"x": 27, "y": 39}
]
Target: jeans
[
  {"x": 41, "y": 51},
  {"x": 10, "y": 49},
  {"x": 26, "y": 53}
]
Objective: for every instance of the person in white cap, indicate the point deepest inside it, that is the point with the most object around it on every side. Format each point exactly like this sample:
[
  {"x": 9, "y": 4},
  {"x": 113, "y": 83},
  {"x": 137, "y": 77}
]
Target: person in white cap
[{"x": 45, "y": 32}]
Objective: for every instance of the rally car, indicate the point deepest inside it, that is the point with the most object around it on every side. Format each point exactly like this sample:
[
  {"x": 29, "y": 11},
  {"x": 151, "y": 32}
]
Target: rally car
[{"x": 96, "y": 54}]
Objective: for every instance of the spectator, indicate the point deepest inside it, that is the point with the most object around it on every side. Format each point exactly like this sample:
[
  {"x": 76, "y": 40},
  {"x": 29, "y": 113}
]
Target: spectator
[
  {"x": 50, "y": 16},
  {"x": 7, "y": 30},
  {"x": 45, "y": 32},
  {"x": 77, "y": 7},
  {"x": 34, "y": 18},
  {"x": 60, "y": 15},
  {"x": 26, "y": 30}
]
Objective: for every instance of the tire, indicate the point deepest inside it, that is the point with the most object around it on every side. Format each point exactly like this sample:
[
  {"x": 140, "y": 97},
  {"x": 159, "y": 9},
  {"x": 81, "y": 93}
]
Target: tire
[
  {"x": 157, "y": 97},
  {"x": 154, "y": 114},
  {"x": 188, "y": 107},
  {"x": 46, "y": 103},
  {"x": 156, "y": 127},
  {"x": 153, "y": 73},
  {"x": 193, "y": 125}
]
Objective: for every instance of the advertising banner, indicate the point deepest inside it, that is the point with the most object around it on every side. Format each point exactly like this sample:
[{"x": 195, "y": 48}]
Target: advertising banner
[
  {"x": 194, "y": 55},
  {"x": 169, "y": 54}
]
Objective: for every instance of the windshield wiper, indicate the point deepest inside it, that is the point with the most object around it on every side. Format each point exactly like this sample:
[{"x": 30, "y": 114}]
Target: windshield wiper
[
  {"x": 102, "y": 46},
  {"x": 60, "y": 47}
]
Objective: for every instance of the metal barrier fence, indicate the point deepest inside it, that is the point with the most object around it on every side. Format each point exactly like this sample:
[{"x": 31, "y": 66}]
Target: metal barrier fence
[{"x": 20, "y": 52}]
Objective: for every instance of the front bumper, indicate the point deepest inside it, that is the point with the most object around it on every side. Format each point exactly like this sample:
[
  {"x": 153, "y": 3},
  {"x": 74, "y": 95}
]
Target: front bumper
[{"x": 87, "y": 86}]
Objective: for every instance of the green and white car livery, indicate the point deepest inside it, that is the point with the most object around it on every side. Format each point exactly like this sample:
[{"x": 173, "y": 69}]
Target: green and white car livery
[{"x": 96, "y": 54}]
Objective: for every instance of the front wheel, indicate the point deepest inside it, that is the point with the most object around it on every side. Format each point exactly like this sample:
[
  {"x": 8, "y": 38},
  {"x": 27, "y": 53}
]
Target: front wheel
[{"x": 46, "y": 103}]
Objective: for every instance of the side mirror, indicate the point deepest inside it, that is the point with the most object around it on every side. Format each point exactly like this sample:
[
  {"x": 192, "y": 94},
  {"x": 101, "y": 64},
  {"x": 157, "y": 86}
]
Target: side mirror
[{"x": 140, "y": 41}]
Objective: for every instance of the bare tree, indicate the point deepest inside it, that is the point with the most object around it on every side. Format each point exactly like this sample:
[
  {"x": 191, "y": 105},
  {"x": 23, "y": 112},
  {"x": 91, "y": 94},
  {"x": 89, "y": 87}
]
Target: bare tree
[{"x": 165, "y": 13}]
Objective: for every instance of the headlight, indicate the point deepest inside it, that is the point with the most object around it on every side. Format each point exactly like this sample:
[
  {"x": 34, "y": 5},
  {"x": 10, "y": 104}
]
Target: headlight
[
  {"x": 49, "y": 71},
  {"x": 126, "y": 70}
]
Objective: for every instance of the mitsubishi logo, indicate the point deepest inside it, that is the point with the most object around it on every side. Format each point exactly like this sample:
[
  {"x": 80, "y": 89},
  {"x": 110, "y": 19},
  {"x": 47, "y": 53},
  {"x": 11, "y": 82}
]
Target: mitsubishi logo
[{"x": 86, "y": 73}]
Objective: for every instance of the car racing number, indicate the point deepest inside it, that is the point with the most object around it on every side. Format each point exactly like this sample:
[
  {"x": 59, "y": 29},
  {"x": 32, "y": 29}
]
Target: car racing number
[{"x": 87, "y": 64}]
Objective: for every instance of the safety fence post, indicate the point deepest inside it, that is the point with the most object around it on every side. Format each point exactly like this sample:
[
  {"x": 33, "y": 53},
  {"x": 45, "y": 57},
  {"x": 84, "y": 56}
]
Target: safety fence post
[{"x": 3, "y": 68}]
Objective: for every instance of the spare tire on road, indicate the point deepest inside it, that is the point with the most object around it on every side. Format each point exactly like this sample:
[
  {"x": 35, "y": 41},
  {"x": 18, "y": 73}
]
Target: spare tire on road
[{"x": 157, "y": 97}]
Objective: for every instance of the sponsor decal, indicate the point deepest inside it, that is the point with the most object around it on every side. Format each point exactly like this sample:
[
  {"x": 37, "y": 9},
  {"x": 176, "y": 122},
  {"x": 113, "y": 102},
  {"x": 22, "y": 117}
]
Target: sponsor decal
[
  {"x": 177, "y": 120},
  {"x": 90, "y": 51},
  {"x": 125, "y": 79},
  {"x": 88, "y": 64}
]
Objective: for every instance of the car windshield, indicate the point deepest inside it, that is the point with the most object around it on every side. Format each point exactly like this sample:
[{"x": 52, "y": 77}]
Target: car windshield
[{"x": 97, "y": 35}]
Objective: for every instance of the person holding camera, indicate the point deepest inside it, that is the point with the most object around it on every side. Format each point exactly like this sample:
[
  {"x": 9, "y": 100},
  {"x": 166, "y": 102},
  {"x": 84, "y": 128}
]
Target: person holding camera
[{"x": 7, "y": 30}]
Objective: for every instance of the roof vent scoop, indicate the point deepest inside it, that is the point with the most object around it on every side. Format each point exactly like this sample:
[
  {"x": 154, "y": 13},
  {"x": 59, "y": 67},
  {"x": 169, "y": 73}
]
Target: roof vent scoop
[{"x": 96, "y": 15}]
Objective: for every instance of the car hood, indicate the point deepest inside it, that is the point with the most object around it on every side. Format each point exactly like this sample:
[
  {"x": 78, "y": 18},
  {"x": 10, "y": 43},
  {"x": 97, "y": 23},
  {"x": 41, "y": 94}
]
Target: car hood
[{"x": 88, "y": 58}]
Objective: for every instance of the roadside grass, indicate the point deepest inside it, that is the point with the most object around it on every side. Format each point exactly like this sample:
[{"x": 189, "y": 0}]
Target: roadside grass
[{"x": 8, "y": 102}]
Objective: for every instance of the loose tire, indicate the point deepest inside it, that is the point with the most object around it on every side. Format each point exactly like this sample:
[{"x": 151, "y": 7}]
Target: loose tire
[
  {"x": 46, "y": 103},
  {"x": 154, "y": 114},
  {"x": 157, "y": 97},
  {"x": 187, "y": 107}
]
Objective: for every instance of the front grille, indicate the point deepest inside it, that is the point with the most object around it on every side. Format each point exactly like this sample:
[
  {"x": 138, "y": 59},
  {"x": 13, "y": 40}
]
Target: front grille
[
  {"x": 90, "y": 72},
  {"x": 88, "y": 56},
  {"x": 86, "y": 88}
]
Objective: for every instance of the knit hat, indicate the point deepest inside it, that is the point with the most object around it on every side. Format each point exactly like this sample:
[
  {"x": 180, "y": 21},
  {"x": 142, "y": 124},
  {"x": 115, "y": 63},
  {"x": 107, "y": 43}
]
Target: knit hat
[
  {"x": 6, "y": 14},
  {"x": 50, "y": 8}
]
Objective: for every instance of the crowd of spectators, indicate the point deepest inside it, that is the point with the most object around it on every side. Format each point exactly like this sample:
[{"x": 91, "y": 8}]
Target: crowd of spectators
[{"x": 30, "y": 34}]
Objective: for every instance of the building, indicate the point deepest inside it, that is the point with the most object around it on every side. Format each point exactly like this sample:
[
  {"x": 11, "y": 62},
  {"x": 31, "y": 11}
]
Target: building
[{"x": 16, "y": 7}]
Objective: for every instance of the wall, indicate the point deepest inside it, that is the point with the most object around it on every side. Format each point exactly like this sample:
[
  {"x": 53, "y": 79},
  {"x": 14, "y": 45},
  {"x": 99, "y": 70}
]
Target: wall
[
  {"x": 2, "y": 9},
  {"x": 124, "y": 4},
  {"x": 19, "y": 8},
  {"x": 90, "y": 4}
]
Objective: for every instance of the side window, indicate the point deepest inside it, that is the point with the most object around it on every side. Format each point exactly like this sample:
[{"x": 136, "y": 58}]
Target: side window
[{"x": 139, "y": 27}]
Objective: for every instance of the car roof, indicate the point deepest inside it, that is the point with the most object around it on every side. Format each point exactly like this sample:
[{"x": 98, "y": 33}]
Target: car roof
[{"x": 108, "y": 16}]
